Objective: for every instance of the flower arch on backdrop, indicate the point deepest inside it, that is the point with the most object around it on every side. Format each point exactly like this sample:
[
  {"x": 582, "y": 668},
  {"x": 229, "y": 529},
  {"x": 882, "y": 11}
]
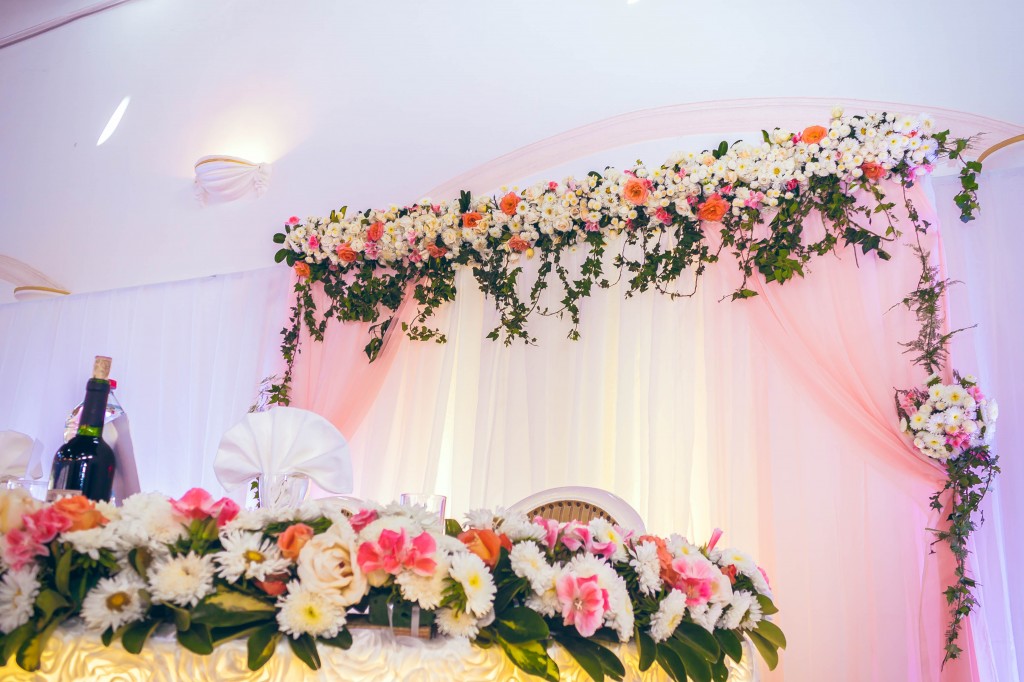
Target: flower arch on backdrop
[{"x": 739, "y": 205}]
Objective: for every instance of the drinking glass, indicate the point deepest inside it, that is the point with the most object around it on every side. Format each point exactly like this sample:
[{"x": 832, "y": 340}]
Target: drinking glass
[
  {"x": 36, "y": 487},
  {"x": 432, "y": 504},
  {"x": 280, "y": 491}
]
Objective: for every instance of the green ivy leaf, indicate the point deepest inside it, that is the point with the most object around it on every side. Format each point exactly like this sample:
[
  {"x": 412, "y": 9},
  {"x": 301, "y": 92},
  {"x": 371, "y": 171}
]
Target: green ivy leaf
[
  {"x": 583, "y": 653},
  {"x": 699, "y": 640},
  {"x": 31, "y": 652},
  {"x": 532, "y": 658},
  {"x": 49, "y": 601},
  {"x": 261, "y": 645},
  {"x": 730, "y": 643},
  {"x": 772, "y": 633},
  {"x": 343, "y": 640},
  {"x": 304, "y": 648},
  {"x": 135, "y": 635},
  {"x": 768, "y": 651},
  {"x": 197, "y": 639},
  {"x": 521, "y": 624},
  {"x": 647, "y": 647},
  {"x": 228, "y": 607}
]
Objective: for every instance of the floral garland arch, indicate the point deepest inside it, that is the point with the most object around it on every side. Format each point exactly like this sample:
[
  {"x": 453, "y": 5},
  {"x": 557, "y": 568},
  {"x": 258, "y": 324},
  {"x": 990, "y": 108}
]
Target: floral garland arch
[{"x": 673, "y": 222}]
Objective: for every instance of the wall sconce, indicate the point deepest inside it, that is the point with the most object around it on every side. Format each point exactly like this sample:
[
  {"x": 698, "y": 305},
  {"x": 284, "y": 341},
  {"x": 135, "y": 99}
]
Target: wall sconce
[{"x": 226, "y": 178}]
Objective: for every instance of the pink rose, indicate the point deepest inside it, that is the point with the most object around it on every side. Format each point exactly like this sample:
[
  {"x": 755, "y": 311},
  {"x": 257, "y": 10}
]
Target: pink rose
[{"x": 293, "y": 221}]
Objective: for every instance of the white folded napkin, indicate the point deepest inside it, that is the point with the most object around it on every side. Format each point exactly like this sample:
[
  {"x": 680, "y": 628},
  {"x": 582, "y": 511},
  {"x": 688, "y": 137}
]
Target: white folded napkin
[
  {"x": 15, "y": 453},
  {"x": 284, "y": 440}
]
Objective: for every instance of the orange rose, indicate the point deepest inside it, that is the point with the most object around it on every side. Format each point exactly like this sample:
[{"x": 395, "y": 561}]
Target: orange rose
[
  {"x": 518, "y": 244},
  {"x": 81, "y": 511},
  {"x": 714, "y": 209},
  {"x": 813, "y": 134},
  {"x": 375, "y": 232},
  {"x": 346, "y": 254},
  {"x": 873, "y": 171},
  {"x": 302, "y": 270},
  {"x": 436, "y": 251},
  {"x": 484, "y": 543},
  {"x": 274, "y": 585},
  {"x": 471, "y": 219},
  {"x": 635, "y": 191},
  {"x": 509, "y": 203},
  {"x": 293, "y": 539}
]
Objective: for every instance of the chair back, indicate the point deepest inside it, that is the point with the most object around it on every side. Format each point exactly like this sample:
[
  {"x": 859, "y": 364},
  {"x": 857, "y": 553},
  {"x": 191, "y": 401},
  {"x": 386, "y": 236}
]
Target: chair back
[{"x": 579, "y": 503}]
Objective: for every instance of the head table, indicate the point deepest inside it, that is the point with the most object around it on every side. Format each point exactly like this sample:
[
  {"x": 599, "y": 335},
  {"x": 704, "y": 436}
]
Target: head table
[{"x": 376, "y": 655}]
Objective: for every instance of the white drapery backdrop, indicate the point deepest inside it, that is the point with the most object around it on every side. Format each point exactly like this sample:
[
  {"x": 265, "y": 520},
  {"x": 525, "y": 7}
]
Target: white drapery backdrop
[{"x": 188, "y": 357}]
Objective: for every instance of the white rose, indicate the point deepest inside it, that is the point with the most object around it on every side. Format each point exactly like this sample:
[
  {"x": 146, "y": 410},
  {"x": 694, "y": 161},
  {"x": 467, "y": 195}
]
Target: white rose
[
  {"x": 14, "y": 504},
  {"x": 327, "y": 562}
]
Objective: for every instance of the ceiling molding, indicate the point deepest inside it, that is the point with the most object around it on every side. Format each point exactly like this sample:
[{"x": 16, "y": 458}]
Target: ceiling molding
[
  {"x": 57, "y": 22},
  {"x": 699, "y": 118}
]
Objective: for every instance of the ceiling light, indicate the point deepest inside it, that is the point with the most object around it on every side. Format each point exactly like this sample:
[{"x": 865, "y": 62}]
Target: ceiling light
[{"x": 115, "y": 119}]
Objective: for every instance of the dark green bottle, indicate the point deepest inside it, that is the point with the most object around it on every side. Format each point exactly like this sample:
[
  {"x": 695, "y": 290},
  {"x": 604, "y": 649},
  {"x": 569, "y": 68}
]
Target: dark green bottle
[{"x": 86, "y": 463}]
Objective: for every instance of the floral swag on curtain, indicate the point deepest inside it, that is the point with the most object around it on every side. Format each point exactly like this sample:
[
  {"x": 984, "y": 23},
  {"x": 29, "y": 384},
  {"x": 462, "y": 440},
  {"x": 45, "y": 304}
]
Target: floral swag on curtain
[{"x": 741, "y": 204}]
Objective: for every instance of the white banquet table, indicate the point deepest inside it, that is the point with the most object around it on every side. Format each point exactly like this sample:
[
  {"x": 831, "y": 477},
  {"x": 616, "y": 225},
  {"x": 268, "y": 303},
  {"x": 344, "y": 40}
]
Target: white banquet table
[{"x": 375, "y": 656}]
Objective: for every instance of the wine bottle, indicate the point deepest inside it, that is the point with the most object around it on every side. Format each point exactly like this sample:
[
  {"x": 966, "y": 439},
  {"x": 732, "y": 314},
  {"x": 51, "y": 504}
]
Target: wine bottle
[{"x": 86, "y": 463}]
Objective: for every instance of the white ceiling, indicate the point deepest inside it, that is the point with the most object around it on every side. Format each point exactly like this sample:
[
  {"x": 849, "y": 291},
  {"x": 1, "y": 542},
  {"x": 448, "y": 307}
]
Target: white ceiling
[{"x": 375, "y": 102}]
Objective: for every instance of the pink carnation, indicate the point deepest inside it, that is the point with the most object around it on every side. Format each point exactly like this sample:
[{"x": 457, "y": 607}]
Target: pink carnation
[
  {"x": 44, "y": 525},
  {"x": 199, "y": 504},
  {"x": 21, "y": 549},
  {"x": 583, "y": 602},
  {"x": 393, "y": 552},
  {"x": 293, "y": 221},
  {"x": 696, "y": 579},
  {"x": 363, "y": 519}
]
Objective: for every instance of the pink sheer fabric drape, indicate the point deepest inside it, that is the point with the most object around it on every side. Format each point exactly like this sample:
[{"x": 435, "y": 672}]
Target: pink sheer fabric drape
[{"x": 835, "y": 338}]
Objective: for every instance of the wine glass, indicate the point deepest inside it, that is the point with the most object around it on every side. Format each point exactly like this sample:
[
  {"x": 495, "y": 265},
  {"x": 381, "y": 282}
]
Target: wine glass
[
  {"x": 281, "y": 491},
  {"x": 36, "y": 487}
]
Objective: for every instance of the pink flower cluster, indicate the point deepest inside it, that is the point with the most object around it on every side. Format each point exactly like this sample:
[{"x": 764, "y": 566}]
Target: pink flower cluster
[
  {"x": 574, "y": 535},
  {"x": 394, "y": 552},
  {"x": 583, "y": 602},
  {"x": 199, "y": 504},
  {"x": 38, "y": 529}
]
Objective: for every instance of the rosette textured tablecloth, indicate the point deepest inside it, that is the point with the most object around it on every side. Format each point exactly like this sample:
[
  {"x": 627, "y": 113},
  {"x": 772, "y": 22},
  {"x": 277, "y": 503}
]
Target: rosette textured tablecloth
[{"x": 376, "y": 656}]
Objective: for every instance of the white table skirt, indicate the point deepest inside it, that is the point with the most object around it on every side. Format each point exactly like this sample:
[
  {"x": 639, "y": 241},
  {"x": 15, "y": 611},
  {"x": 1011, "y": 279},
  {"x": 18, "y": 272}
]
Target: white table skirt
[{"x": 375, "y": 656}]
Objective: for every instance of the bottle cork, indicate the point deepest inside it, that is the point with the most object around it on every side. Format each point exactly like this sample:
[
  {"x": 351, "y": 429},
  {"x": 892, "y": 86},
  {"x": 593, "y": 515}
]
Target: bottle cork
[{"x": 101, "y": 367}]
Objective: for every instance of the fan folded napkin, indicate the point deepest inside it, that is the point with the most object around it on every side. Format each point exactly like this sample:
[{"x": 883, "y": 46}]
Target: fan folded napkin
[
  {"x": 15, "y": 453},
  {"x": 284, "y": 440}
]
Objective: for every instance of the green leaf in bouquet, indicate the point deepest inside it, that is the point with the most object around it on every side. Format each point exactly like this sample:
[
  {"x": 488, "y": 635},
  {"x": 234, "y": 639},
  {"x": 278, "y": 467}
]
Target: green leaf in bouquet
[
  {"x": 582, "y": 651},
  {"x": 15, "y": 638},
  {"x": 31, "y": 651},
  {"x": 135, "y": 635},
  {"x": 699, "y": 640},
  {"x": 49, "y": 601},
  {"x": 62, "y": 574},
  {"x": 696, "y": 665},
  {"x": 197, "y": 639},
  {"x": 507, "y": 592},
  {"x": 305, "y": 648},
  {"x": 768, "y": 651},
  {"x": 768, "y": 608},
  {"x": 720, "y": 671},
  {"x": 182, "y": 617},
  {"x": 532, "y": 658},
  {"x": 261, "y": 645},
  {"x": 140, "y": 559},
  {"x": 343, "y": 640},
  {"x": 730, "y": 643},
  {"x": 772, "y": 633},
  {"x": 226, "y": 608},
  {"x": 520, "y": 624},
  {"x": 107, "y": 637},
  {"x": 279, "y": 238},
  {"x": 670, "y": 663},
  {"x": 452, "y": 527},
  {"x": 612, "y": 665},
  {"x": 647, "y": 647}
]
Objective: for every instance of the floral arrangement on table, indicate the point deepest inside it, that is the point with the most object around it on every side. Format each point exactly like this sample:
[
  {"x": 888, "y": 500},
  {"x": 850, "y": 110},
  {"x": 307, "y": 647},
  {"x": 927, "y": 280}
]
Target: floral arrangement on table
[
  {"x": 213, "y": 573},
  {"x": 674, "y": 220}
]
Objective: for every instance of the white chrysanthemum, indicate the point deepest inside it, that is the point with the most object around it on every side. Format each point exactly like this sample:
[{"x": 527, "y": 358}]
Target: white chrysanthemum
[
  {"x": 954, "y": 416},
  {"x": 670, "y": 613},
  {"x": 918, "y": 421},
  {"x": 427, "y": 591},
  {"x": 305, "y": 611},
  {"x": 480, "y": 518},
  {"x": 647, "y": 566},
  {"x": 115, "y": 602},
  {"x": 518, "y": 527},
  {"x": 471, "y": 572},
  {"x": 148, "y": 519},
  {"x": 250, "y": 555},
  {"x": 707, "y": 615},
  {"x": 18, "y": 591},
  {"x": 743, "y": 612},
  {"x": 182, "y": 580},
  {"x": 93, "y": 540},
  {"x": 455, "y": 623},
  {"x": 529, "y": 561},
  {"x": 544, "y": 598}
]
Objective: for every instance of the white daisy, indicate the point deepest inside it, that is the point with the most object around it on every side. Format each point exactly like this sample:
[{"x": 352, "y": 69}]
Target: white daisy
[
  {"x": 455, "y": 623},
  {"x": 182, "y": 580},
  {"x": 18, "y": 590},
  {"x": 647, "y": 566},
  {"x": 250, "y": 555},
  {"x": 918, "y": 421},
  {"x": 305, "y": 611},
  {"x": 115, "y": 602},
  {"x": 471, "y": 572},
  {"x": 426, "y": 591},
  {"x": 670, "y": 613}
]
